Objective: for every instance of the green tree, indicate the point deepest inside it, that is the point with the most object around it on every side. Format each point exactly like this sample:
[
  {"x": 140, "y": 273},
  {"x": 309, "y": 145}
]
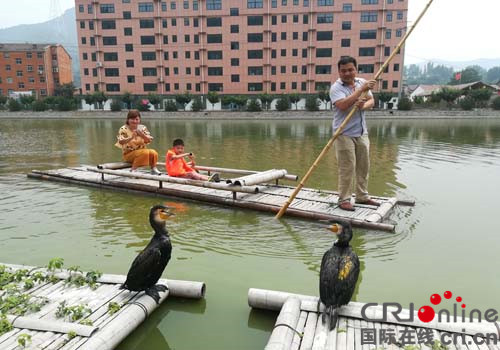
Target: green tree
[
  {"x": 312, "y": 103},
  {"x": 39, "y": 106},
  {"x": 449, "y": 95},
  {"x": 226, "y": 100},
  {"x": 143, "y": 107},
  {"x": 3, "y": 99},
  {"x": 14, "y": 105},
  {"x": 468, "y": 75},
  {"x": 294, "y": 99},
  {"x": 197, "y": 104},
  {"x": 481, "y": 97},
  {"x": 127, "y": 99},
  {"x": 171, "y": 106},
  {"x": 404, "y": 104},
  {"x": 155, "y": 100},
  {"x": 183, "y": 99},
  {"x": 65, "y": 104},
  {"x": 213, "y": 98},
  {"x": 283, "y": 103},
  {"x": 65, "y": 90},
  {"x": 418, "y": 100},
  {"x": 116, "y": 105},
  {"x": 254, "y": 105},
  {"x": 384, "y": 97},
  {"x": 240, "y": 101},
  {"x": 435, "y": 97},
  {"x": 493, "y": 75},
  {"x": 324, "y": 96},
  {"x": 100, "y": 98},
  {"x": 26, "y": 101},
  {"x": 495, "y": 104},
  {"x": 89, "y": 99},
  {"x": 266, "y": 100},
  {"x": 467, "y": 103}
]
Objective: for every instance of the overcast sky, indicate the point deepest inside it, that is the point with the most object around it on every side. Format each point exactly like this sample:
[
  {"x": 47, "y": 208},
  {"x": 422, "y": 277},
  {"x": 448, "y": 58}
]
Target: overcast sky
[{"x": 454, "y": 30}]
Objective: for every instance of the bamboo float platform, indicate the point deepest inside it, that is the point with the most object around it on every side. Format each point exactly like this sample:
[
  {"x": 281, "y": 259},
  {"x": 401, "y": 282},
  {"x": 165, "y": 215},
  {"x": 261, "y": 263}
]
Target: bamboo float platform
[
  {"x": 248, "y": 192},
  {"x": 107, "y": 330},
  {"x": 299, "y": 327}
]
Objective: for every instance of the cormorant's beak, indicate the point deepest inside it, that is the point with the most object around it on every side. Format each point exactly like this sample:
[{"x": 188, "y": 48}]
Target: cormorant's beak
[
  {"x": 335, "y": 228},
  {"x": 165, "y": 213}
]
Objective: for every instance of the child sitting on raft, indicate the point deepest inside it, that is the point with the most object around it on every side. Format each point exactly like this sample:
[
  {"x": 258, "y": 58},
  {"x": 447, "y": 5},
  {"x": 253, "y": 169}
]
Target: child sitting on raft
[{"x": 177, "y": 166}]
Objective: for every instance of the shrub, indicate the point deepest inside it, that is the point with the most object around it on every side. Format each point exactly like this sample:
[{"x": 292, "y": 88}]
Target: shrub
[
  {"x": 116, "y": 105},
  {"x": 197, "y": 104},
  {"x": 467, "y": 103},
  {"x": 312, "y": 103},
  {"x": 294, "y": 99},
  {"x": 143, "y": 107},
  {"x": 183, "y": 99},
  {"x": 254, "y": 105},
  {"x": 154, "y": 99},
  {"x": 171, "y": 106},
  {"x": 14, "y": 105},
  {"x": 3, "y": 99},
  {"x": 404, "y": 104},
  {"x": 127, "y": 99},
  {"x": 266, "y": 100},
  {"x": 66, "y": 104},
  {"x": 495, "y": 104},
  {"x": 213, "y": 98},
  {"x": 480, "y": 96},
  {"x": 39, "y": 106},
  {"x": 283, "y": 103},
  {"x": 418, "y": 100}
]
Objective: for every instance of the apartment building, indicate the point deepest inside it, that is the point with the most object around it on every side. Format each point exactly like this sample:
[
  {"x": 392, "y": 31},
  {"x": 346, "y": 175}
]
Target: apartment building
[
  {"x": 234, "y": 47},
  {"x": 33, "y": 67}
]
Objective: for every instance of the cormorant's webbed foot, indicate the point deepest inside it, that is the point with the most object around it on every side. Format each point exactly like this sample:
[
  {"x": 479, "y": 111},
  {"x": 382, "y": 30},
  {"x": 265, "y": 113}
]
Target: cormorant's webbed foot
[
  {"x": 161, "y": 287},
  {"x": 153, "y": 293}
]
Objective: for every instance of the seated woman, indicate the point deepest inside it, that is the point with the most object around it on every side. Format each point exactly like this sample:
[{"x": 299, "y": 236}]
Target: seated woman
[{"x": 132, "y": 139}]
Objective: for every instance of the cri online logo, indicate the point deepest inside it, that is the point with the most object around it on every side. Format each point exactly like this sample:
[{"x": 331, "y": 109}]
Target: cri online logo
[{"x": 426, "y": 313}]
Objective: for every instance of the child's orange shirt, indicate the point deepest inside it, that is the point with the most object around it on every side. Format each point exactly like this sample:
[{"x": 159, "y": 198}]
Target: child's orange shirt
[{"x": 176, "y": 167}]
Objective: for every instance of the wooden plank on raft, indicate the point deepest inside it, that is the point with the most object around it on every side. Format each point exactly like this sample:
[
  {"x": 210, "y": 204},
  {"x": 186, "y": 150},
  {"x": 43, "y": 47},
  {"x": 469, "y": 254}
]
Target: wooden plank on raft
[
  {"x": 309, "y": 331},
  {"x": 342, "y": 334},
  {"x": 283, "y": 332},
  {"x": 297, "y": 338}
]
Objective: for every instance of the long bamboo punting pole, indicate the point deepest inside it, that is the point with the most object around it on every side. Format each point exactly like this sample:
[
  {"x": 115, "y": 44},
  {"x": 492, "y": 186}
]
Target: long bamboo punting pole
[{"x": 349, "y": 116}]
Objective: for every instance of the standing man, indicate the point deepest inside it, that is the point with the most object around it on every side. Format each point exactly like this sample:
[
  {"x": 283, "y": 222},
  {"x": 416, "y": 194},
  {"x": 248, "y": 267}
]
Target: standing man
[{"x": 352, "y": 146}]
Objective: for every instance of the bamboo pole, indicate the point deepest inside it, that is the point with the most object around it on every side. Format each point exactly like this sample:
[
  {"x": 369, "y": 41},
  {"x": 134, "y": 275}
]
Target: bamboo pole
[
  {"x": 50, "y": 325},
  {"x": 282, "y": 335},
  {"x": 240, "y": 171},
  {"x": 259, "y": 178},
  {"x": 349, "y": 116},
  {"x": 114, "y": 166}
]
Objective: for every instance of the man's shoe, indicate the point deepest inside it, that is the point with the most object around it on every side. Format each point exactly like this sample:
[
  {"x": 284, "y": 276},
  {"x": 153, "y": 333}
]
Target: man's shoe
[
  {"x": 346, "y": 206},
  {"x": 214, "y": 177},
  {"x": 369, "y": 202},
  {"x": 155, "y": 171}
]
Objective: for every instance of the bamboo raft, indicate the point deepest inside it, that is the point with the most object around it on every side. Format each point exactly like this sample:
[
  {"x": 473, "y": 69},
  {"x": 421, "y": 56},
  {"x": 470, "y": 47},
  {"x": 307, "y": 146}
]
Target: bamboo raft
[
  {"x": 299, "y": 327},
  {"x": 107, "y": 330},
  {"x": 251, "y": 190}
]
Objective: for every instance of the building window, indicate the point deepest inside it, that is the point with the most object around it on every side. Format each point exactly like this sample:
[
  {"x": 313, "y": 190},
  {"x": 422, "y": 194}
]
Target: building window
[
  {"x": 273, "y": 86},
  {"x": 84, "y": 40},
  {"x": 396, "y": 67},
  {"x": 107, "y": 8},
  {"x": 188, "y": 70},
  {"x": 255, "y": 37},
  {"x": 304, "y": 53},
  {"x": 255, "y": 20},
  {"x": 366, "y": 51},
  {"x": 85, "y": 56},
  {"x": 150, "y": 87},
  {"x": 92, "y": 41},
  {"x": 147, "y": 40},
  {"x": 111, "y": 72},
  {"x": 368, "y": 34},
  {"x": 294, "y": 69},
  {"x": 86, "y": 71},
  {"x": 214, "y": 22},
  {"x": 305, "y": 19},
  {"x": 146, "y": 7},
  {"x": 108, "y": 24},
  {"x": 149, "y": 72},
  {"x": 174, "y": 38},
  {"x": 347, "y": 8},
  {"x": 283, "y": 69},
  {"x": 214, "y": 4},
  {"x": 127, "y": 15},
  {"x": 345, "y": 43},
  {"x": 325, "y": 2},
  {"x": 274, "y": 20},
  {"x": 274, "y": 37},
  {"x": 283, "y": 18},
  {"x": 149, "y": 56},
  {"x": 173, "y": 5},
  {"x": 387, "y": 51},
  {"x": 235, "y": 78},
  {"x": 81, "y": 8},
  {"x": 255, "y": 87},
  {"x": 19, "y": 73},
  {"x": 324, "y": 35},
  {"x": 304, "y": 36},
  {"x": 366, "y": 68},
  {"x": 235, "y": 28},
  {"x": 282, "y": 85},
  {"x": 186, "y": 22},
  {"x": 324, "y": 52},
  {"x": 112, "y": 87},
  {"x": 195, "y": 5},
  {"x": 187, "y": 55},
  {"x": 295, "y": 35},
  {"x": 235, "y": 62},
  {"x": 385, "y": 84},
  {"x": 164, "y": 6},
  {"x": 255, "y": 54},
  {"x": 131, "y": 79},
  {"x": 274, "y": 4},
  {"x": 346, "y": 25},
  {"x": 369, "y": 2},
  {"x": 146, "y": 23},
  {"x": 110, "y": 56},
  {"x": 214, "y": 55},
  {"x": 215, "y": 87},
  {"x": 127, "y": 31},
  {"x": 369, "y": 16},
  {"x": 90, "y": 9},
  {"x": 399, "y": 32},
  {"x": 283, "y": 53},
  {"x": 283, "y": 35},
  {"x": 215, "y": 71},
  {"x": 295, "y": 52},
  {"x": 295, "y": 18},
  {"x": 186, "y": 38},
  {"x": 185, "y": 5},
  {"x": 235, "y": 45},
  {"x": 273, "y": 70},
  {"x": 214, "y": 38},
  {"x": 254, "y": 4},
  {"x": 109, "y": 40},
  {"x": 400, "y": 15},
  {"x": 395, "y": 83},
  {"x": 325, "y": 18},
  {"x": 388, "y": 34},
  {"x": 82, "y": 24},
  {"x": 255, "y": 70},
  {"x": 19, "y": 61},
  {"x": 234, "y": 11},
  {"x": 283, "y": 2},
  {"x": 91, "y": 25}
]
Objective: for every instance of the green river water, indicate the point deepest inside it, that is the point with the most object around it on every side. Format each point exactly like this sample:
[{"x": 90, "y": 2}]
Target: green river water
[{"x": 448, "y": 241}]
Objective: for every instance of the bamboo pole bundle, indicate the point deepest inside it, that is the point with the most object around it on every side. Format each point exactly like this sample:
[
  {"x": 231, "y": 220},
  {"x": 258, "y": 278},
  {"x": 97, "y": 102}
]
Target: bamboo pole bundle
[
  {"x": 274, "y": 300},
  {"x": 177, "y": 180},
  {"x": 114, "y": 166},
  {"x": 240, "y": 171},
  {"x": 258, "y": 178},
  {"x": 282, "y": 335},
  {"x": 177, "y": 288},
  {"x": 37, "y": 324}
]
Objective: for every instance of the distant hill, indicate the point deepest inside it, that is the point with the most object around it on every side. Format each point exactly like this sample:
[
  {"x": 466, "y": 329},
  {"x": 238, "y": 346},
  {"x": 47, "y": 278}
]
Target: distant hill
[
  {"x": 486, "y": 63},
  {"x": 60, "y": 30}
]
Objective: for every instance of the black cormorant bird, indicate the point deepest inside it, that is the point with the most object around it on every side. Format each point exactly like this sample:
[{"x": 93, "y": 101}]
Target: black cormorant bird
[
  {"x": 148, "y": 266},
  {"x": 339, "y": 272}
]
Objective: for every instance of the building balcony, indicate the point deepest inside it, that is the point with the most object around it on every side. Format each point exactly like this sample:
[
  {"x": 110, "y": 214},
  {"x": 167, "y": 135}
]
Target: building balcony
[
  {"x": 311, "y": 29},
  {"x": 311, "y": 45},
  {"x": 203, "y": 65},
  {"x": 267, "y": 64},
  {"x": 161, "y": 80},
  {"x": 382, "y": 26},
  {"x": 203, "y": 49},
  {"x": 311, "y": 63}
]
